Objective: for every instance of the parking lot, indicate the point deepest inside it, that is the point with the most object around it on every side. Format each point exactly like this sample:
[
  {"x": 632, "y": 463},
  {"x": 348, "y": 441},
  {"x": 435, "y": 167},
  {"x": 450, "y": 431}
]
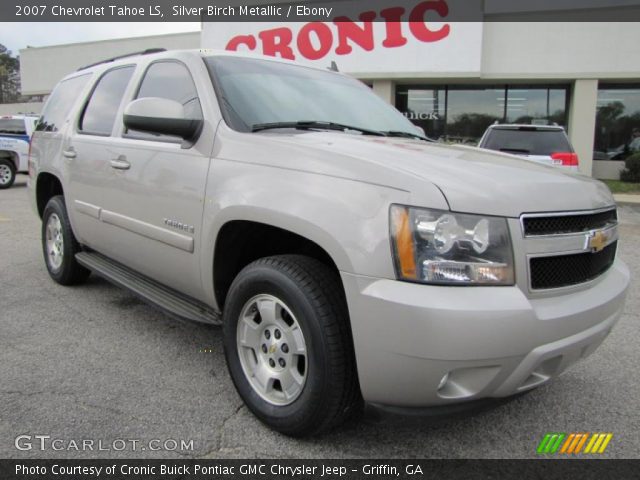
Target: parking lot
[{"x": 94, "y": 362}]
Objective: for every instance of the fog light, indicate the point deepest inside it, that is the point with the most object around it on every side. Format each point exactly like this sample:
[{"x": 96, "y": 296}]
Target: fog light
[{"x": 443, "y": 381}]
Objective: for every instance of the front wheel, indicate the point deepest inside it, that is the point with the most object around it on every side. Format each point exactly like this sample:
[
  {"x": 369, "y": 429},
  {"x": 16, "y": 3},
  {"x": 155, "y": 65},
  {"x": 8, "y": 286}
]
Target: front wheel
[
  {"x": 59, "y": 245},
  {"x": 288, "y": 345},
  {"x": 7, "y": 173}
]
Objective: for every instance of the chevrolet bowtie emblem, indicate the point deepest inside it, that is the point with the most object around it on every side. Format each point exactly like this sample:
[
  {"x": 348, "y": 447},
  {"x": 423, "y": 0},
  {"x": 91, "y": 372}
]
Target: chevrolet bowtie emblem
[
  {"x": 273, "y": 348},
  {"x": 597, "y": 241}
]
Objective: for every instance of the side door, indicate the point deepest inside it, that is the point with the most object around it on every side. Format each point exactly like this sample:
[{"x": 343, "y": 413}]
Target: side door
[{"x": 153, "y": 189}]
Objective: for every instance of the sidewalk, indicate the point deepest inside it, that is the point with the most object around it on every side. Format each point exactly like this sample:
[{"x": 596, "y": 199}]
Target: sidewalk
[{"x": 629, "y": 198}]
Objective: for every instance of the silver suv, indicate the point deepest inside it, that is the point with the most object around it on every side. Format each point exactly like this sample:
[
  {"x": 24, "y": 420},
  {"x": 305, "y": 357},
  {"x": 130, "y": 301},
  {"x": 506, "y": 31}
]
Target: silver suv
[{"x": 347, "y": 257}]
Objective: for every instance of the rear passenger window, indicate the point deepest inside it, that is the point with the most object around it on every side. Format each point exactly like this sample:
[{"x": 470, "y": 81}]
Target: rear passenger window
[
  {"x": 170, "y": 80},
  {"x": 100, "y": 113},
  {"x": 60, "y": 102}
]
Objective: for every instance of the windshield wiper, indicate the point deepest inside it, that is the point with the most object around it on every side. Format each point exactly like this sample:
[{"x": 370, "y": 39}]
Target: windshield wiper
[
  {"x": 314, "y": 124},
  {"x": 397, "y": 133}
]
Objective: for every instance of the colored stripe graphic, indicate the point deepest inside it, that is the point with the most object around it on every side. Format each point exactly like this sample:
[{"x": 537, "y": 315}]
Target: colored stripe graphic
[
  {"x": 598, "y": 443},
  {"x": 550, "y": 443},
  {"x": 581, "y": 443},
  {"x": 605, "y": 443},
  {"x": 566, "y": 445},
  {"x": 543, "y": 443},
  {"x": 574, "y": 443}
]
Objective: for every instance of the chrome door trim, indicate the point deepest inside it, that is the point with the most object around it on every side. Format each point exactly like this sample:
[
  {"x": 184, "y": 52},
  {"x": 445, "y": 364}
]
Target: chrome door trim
[{"x": 173, "y": 239}]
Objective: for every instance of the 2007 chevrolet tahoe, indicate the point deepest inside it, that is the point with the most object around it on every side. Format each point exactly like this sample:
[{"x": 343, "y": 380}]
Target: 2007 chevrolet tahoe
[{"x": 347, "y": 257}]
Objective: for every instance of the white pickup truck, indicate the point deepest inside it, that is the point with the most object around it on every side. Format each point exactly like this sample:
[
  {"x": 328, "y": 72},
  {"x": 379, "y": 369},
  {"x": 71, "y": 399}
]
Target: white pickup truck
[{"x": 15, "y": 133}]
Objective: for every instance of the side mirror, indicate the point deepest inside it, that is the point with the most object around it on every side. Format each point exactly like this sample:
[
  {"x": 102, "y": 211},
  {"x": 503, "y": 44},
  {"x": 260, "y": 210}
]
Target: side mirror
[
  {"x": 161, "y": 116},
  {"x": 420, "y": 130}
]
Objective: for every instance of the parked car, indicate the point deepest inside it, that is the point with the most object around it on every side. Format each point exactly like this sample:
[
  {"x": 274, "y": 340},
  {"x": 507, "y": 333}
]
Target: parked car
[
  {"x": 346, "y": 257},
  {"x": 546, "y": 144},
  {"x": 15, "y": 132}
]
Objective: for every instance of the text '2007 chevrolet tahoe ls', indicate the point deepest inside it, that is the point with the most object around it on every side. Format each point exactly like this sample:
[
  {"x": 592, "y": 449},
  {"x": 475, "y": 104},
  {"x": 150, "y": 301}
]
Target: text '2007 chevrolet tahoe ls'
[{"x": 347, "y": 257}]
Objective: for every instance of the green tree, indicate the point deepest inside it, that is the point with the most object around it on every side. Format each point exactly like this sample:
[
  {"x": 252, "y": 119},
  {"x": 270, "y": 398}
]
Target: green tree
[
  {"x": 469, "y": 127},
  {"x": 9, "y": 76}
]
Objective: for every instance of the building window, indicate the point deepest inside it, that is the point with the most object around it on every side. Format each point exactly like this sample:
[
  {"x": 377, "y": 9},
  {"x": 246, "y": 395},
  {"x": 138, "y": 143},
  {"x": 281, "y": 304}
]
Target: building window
[
  {"x": 617, "y": 122},
  {"x": 425, "y": 107},
  {"x": 461, "y": 113},
  {"x": 470, "y": 111}
]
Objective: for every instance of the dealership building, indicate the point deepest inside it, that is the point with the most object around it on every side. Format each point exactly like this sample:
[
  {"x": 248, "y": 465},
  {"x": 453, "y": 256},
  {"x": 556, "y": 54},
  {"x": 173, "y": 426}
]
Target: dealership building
[{"x": 453, "y": 79}]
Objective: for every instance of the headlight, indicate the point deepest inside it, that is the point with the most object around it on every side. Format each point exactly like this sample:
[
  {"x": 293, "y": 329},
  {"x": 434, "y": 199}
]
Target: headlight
[{"x": 435, "y": 246}]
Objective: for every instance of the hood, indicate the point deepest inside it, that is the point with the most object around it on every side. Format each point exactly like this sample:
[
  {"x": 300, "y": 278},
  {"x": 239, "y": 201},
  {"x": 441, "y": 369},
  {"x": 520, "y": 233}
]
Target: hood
[{"x": 472, "y": 180}]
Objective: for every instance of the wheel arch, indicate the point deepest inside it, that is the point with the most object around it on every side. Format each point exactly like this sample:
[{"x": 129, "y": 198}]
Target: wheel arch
[
  {"x": 47, "y": 186},
  {"x": 243, "y": 239},
  {"x": 13, "y": 156}
]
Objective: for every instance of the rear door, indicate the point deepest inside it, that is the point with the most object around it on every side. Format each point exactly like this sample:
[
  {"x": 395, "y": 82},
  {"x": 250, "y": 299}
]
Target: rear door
[
  {"x": 50, "y": 137},
  {"x": 87, "y": 153}
]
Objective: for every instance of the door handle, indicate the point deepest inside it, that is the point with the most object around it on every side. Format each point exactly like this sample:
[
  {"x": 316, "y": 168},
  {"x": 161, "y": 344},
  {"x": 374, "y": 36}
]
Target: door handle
[
  {"x": 70, "y": 153},
  {"x": 120, "y": 163}
]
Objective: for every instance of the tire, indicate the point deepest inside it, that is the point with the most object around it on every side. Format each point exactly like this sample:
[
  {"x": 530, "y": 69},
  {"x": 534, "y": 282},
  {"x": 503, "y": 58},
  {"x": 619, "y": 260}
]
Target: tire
[
  {"x": 60, "y": 246},
  {"x": 312, "y": 305},
  {"x": 7, "y": 173}
]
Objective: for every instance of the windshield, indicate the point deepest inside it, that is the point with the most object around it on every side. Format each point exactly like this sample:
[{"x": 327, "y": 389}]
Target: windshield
[
  {"x": 528, "y": 142},
  {"x": 254, "y": 92}
]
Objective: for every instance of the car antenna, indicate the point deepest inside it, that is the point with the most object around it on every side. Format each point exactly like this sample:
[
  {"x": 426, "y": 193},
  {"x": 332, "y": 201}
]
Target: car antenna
[{"x": 334, "y": 66}]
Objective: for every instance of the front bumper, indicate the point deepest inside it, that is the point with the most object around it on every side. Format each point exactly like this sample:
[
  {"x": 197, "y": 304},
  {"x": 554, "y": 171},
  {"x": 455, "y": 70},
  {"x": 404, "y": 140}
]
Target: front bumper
[{"x": 488, "y": 341}]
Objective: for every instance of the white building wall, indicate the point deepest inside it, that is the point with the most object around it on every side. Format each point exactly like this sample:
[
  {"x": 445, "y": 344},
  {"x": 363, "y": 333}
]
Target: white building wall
[
  {"x": 566, "y": 50},
  {"x": 582, "y": 121}
]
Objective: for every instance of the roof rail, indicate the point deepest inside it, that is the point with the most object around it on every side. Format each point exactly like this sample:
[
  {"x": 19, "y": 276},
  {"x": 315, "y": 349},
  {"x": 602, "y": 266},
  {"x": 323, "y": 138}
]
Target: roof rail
[{"x": 148, "y": 51}]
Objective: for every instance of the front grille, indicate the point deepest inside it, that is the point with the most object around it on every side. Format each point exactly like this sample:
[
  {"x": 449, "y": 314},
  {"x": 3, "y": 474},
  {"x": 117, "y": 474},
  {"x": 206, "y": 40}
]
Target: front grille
[
  {"x": 558, "y": 225},
  {"x": 565, "y": 270}
]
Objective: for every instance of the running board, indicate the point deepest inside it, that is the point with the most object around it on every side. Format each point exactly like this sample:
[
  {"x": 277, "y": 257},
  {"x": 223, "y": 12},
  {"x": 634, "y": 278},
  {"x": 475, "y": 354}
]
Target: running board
[{"x": 149, "y": 290}]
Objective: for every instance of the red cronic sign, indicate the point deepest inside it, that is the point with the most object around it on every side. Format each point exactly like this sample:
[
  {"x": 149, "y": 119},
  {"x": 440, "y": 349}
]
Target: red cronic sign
[{"x": 314, "y": 41}]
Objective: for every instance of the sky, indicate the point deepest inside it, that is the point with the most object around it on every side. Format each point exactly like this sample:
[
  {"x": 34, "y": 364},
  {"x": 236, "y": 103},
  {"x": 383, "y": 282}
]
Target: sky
[{"x": 15, "y": 36}]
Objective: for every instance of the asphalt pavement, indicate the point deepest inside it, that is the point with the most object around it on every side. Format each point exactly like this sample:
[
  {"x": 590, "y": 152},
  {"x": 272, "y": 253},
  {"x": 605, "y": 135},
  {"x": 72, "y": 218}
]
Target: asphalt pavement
[{"x": 95, "y": 363}]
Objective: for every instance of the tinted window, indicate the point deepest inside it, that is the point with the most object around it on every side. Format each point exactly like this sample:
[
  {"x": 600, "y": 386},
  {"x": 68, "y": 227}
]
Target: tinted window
[
  {"x": 541, "y": 106},
  {"x": 425, "y": 107},
  {"x": 617, "y": 122},
  {"x": 528, "y": 142},
  {"x": 60, "y": 102},
  {"x": 471, "y": 110},
  {"x": 100, "y": 112},
  {"x": 461, "y": 114},
  {"x": 170, "y": 80},
  {"x": 12, "y": 126}
]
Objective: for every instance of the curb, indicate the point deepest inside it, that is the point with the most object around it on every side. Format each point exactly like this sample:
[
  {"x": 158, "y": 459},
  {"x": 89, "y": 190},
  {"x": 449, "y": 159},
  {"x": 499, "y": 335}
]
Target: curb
[{"x": 627, "y": 199}]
